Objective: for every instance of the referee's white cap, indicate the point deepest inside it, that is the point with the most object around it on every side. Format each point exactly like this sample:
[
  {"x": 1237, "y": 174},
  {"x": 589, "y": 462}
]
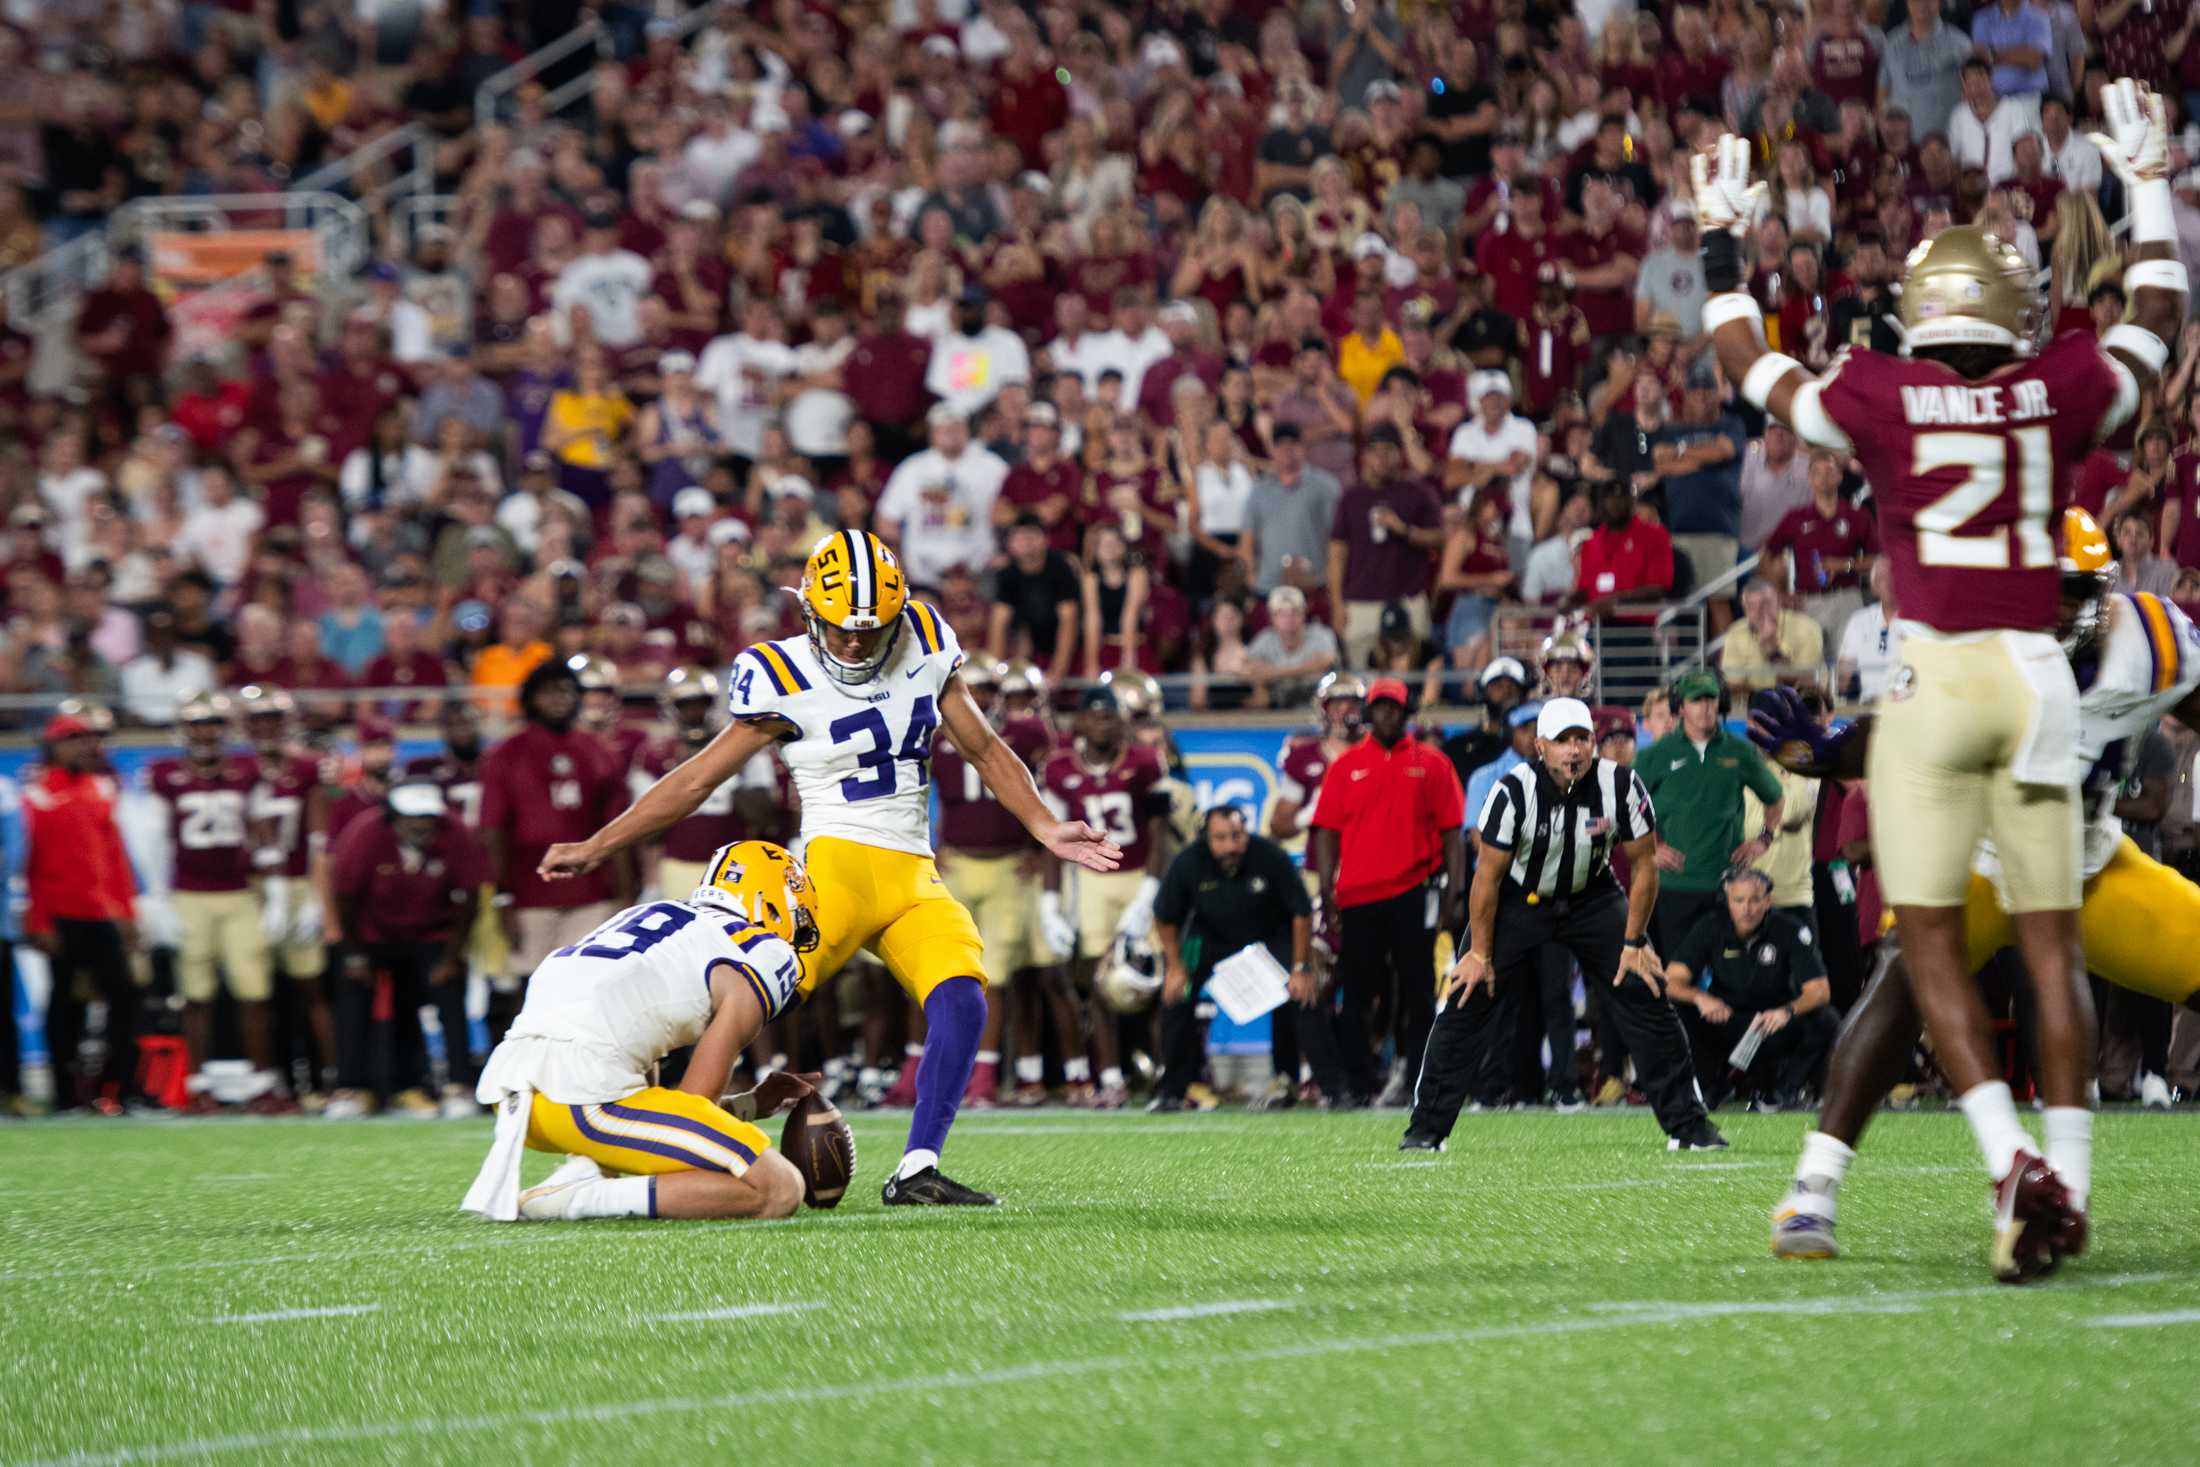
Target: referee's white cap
[{"x": 1562, "y": 714}]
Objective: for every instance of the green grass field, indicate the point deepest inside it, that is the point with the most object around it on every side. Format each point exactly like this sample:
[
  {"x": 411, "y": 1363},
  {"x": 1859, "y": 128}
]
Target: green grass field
[{"x": 1555, "y": 1289}]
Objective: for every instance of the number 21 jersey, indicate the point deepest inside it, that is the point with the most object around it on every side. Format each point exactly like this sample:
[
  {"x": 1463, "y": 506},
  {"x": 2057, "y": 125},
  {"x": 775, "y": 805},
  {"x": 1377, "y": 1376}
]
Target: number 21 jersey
[
  {"x": 861, "y": 756},
  {"x": 1969, "y": 476}
]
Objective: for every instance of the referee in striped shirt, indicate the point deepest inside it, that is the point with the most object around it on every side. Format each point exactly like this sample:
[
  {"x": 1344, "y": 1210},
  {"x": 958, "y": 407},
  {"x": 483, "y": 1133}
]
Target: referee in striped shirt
[{"x": 1544, "y": 876}]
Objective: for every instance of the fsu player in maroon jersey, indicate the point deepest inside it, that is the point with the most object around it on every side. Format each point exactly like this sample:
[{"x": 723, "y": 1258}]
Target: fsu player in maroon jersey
[
  {"x": 1111, "y": 783},
  {"x": 603, "y": 711},
  {"x": 206, "y": 793},
  {"x": 994, "y": 867},
  {"x": 457, "y": 770},
  {"x": 1970, "y": 444},
  {"x": 547, "y": 784},
  {"x": 288, "y": 803},
  {"x": 1338, "y": 698},
  {"x": 752, "y": 806}
]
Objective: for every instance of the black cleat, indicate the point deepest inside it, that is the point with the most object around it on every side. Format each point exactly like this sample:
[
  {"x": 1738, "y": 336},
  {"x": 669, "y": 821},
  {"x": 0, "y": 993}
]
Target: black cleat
[
  {"x": 1421, "y": 1141},
  {"x": 930, "y": 1188},
  {"x": 1165, "y": 1105},
  {"x": 1697, "y": 1135}
]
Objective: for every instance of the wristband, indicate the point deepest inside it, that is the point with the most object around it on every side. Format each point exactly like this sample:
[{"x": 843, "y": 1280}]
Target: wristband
[
  {"x": 1763, "y": 373},
  {"x": 2137, "y": 342},
  {"x": 2152, "y": 221},
  {"x": 1733, "y": 306},
  {"x": 1642, "y": 941},
  {"x": 2157, "y": 274},
  {"x": 1722, "y": 261}
]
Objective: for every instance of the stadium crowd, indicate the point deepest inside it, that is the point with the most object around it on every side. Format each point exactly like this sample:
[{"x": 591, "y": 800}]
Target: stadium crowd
[{"x": 1220, "y": 340}]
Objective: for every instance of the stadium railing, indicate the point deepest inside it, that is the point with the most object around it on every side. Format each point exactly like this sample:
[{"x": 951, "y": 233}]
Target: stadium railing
[{"x": 489, "y": 97}]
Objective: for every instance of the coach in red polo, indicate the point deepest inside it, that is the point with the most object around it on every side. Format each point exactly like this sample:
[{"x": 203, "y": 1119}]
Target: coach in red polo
[{"x": 1391, "y": 855}]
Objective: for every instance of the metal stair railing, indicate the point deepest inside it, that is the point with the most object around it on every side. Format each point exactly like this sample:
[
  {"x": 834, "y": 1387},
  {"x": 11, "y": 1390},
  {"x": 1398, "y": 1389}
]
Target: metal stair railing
[{"x": 489, "y": 96}]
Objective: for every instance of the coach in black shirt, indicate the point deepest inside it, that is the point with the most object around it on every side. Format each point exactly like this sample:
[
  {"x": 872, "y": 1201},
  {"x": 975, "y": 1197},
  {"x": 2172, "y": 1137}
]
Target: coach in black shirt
[
  {"x": 1223, "y": 893},
  {"x": 1746, "y": 967},
  {"x": 1545, "y": 877}
]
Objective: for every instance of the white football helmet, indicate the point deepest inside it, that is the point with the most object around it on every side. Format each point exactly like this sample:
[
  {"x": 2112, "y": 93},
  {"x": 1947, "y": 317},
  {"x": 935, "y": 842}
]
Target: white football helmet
[{"x": 1129, "y": 977}]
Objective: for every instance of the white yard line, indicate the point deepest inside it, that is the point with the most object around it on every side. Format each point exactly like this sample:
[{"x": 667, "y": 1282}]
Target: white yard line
[
  {"x": 1643, "y": 1313},
  {"x": 2144, "y": 1321},
  {"x": 735, "y": 1311},
  {"x": 276, "y": 1316},
  {"x": 1203, "y": 1311}
]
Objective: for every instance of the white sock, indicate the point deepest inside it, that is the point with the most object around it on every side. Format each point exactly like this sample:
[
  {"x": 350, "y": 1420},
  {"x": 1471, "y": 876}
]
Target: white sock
[
  {"x": 1031, "y": 1069},
  {"x": 1824, "y": 1157},
  {"x": 1992, "y": 1112},
  {"x": 614, "y": 1197},
  {"x": 2069, "y": 1130},
  {"x": 1077, "y": 1071},
  {"x": 989, "y": 1057},
  {"x": 869, "y": 1075},
  {"x": 913, "y": 1162},
  {"x": 1111, "y": 1077},
  {"x": 572, "y": 1169},
  {"x": 912, "y": 1051}
]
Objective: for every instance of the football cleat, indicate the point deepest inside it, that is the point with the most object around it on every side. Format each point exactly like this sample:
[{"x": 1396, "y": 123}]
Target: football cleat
[
  {"x": 2154, "y": 1093},
  {"x": 1802, "y": 1225},
  {"x": 1420, "y": 1141},
  {"x": 457, "y": 1104},
  {"x": 1568, "y": 1102},
  {"x": 1029, "y": 1094},
  {"x": 1165, "y": 1105},
  {"x": 2035, "y": 1224},
  {"x": 414, "y": 1102},
  {"x": 1697, "y": 1135},
  {"x": 271, "y": 1103},
  {"x": 932, "y": 1188},
  {"x": 1110, "y": 1097}
]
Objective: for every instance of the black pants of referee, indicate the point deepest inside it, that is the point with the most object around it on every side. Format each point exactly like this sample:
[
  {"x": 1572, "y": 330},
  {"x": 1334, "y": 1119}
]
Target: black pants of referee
[
  {"x": 1470, "y": 1045},
  {"x": 1386, "y": 965},
  {"x": 90, "y": 961},
  {"x": 399, "y": 1061}
]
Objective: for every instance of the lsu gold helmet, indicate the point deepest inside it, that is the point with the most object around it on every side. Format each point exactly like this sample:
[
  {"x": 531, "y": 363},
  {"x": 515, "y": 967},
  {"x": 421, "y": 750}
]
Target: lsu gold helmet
[
  {"x": 765, "y": 884},
  {"x": 1968, "y": 287},
  {"x": 853, "y": 583},
  {"x": 2088, "y": 566}
]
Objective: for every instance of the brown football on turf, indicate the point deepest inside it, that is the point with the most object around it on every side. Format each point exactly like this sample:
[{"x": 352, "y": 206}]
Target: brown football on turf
[{"x": 817, "y": 1140}]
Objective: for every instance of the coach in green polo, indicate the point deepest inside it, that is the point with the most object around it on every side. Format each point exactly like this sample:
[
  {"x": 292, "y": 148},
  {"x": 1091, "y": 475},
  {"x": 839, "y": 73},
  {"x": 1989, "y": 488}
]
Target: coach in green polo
[{"x": 1696, "y": 775}]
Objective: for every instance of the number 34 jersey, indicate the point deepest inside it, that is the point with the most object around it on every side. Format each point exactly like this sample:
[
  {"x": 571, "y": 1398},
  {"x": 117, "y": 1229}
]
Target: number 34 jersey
[
  {"x": 861, "y": 756},
  {"x": 1968, "y": 476}
]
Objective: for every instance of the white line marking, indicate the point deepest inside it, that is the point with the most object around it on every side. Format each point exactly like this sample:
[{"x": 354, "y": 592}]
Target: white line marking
[
  {"x": 2144, "y": 1321},
  {"x": 736, "y": 1311},
  {"x": 1203, "y": 1311},
  {"x": 1649, "y": 1313},
  {"x": 241, "y": 1177},
  {"x": 272, "y": 1316}
]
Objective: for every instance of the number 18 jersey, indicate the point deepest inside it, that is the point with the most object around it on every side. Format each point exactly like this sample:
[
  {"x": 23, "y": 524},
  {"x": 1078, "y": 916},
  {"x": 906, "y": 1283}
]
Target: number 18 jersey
[
  {"x": 1969, "y": 476},
  {"x": 861, "y": 756}
]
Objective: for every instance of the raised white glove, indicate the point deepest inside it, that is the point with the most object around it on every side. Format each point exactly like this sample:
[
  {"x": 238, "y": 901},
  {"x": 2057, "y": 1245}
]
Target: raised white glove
[
  {"x": 1137, "y": 919},
  {"x": 305, "y": 919},
  {"x": 157, "y": 922},
  {"x": 275, "y": 908},
  {"x": 1055, "y": 930},
  {"x": 2136, "y": 144},
  {"x": 1725, "y": 198}
]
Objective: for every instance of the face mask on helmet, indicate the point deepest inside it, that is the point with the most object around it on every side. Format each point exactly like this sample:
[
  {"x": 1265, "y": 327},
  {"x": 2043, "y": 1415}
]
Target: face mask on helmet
[{"x": 871, "y": 650}]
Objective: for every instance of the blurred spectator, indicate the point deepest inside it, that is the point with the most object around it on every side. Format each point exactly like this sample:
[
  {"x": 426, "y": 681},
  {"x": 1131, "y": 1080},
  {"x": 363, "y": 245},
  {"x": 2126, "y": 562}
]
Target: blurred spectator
[
  {"x": 1495, "y": 451},
  {"x": 156, "y": 680},
  {"x": 1627, "y": 559},
  {"x": 1921, "y": 67},
  {"x": 1549, "y": 579},
  {"x": 1036, "y": 600},
  {"x": 1290, "y": 654},
  {"x": 1870, "y": 649},
  {"x": 1291, "y": 512},
  {"x": 1770, "y": 643},
  {"x": 1775, "y": 480},
  {"x": 1984, "y": 125},
  {"x": 1821, "y": 550},
  {"x": 1670, "y": 281},
  {"x": 1699, "y": 458},
  {"x": 937, "y": 507},
  {"x": 1382, "y": 546},
  {"x": 1476, "y": 575},
  {"x": 973, "y": 362},
  {"x": 2138, "y": 568}
]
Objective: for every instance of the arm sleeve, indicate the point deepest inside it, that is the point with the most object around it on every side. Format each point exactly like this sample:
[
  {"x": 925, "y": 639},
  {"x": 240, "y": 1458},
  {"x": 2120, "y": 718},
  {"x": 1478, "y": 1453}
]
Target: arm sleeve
[
  {"x": 752, "y": 687},
  {"x": 1824, "y": 413},
  {"x": 1500, "y": 818}
]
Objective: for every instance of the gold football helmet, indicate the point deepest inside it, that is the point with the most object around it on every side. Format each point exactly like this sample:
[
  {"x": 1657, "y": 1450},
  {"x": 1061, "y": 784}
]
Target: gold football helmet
[
  {"x": 204, "y": 721},
  {"x": 1137, "y": 693},
  {"x": 765, "y": 884},
  {"x": 1968, "y": 287},
  {"x": 1348, "y": 688},
  {"x": 853, "y": 583},
  {"x": 2088, "y": 565}
]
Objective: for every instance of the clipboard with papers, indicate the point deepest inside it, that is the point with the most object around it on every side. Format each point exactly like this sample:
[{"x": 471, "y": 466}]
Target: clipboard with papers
[{"x": 1248, "y": 983}]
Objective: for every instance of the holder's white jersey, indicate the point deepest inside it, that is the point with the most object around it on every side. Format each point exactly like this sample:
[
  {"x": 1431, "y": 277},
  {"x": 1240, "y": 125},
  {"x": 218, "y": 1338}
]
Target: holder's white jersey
[
  {"x": 601, "y": 1012},
  {"x": 2145, "y": 662},
  {"x": 861, "y": 756}
]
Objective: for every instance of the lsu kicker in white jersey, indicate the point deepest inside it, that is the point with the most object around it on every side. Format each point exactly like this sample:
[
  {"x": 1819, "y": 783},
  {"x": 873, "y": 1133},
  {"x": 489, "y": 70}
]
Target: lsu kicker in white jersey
[
  {"x": 600, "y": 1013},
  {"x": 2145, "y": 662},
  {"x": 861, "y": 756}
]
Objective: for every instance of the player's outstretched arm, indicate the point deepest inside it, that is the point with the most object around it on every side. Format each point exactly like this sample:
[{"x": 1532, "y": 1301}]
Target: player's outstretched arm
[
  {"x": 2136, "y": 146},
  {"x": 1727, "y": 206},
  {"x": 1799, "y": 741},
  {"x": 1005, "y": 775},
  {"x": 668, "y": 801}
]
